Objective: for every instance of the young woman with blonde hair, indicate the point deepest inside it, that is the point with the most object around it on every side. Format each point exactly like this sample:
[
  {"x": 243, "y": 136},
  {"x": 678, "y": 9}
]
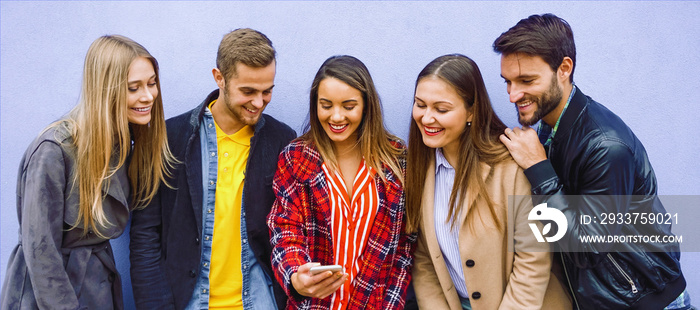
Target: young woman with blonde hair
[
  {"x": 470, "y": 201},
  {"x": 340, "y": 200},
  {"x": 78, "y": 181}
]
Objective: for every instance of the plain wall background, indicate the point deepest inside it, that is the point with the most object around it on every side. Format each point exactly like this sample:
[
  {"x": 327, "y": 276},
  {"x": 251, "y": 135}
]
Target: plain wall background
[{"x": 637, "y": 58}]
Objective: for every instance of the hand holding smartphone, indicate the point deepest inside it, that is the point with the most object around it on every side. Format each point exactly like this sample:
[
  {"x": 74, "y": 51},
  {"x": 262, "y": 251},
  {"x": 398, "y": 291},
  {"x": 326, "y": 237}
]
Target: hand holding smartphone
[{"x": 319, "y": 269}]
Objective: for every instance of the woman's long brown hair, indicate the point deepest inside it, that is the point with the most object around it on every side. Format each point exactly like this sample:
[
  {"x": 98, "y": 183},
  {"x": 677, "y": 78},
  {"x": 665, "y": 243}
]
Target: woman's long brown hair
[{"x": 478, "y": 143}]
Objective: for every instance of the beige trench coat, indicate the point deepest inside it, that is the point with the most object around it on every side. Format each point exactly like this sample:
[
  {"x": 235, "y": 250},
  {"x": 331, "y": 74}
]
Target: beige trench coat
[{"x": 498, "y": 276}]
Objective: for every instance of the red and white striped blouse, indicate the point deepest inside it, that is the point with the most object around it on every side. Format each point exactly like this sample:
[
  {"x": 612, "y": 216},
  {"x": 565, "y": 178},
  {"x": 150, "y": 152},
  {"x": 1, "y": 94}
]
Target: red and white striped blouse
[{"x": 351, "y": 224}]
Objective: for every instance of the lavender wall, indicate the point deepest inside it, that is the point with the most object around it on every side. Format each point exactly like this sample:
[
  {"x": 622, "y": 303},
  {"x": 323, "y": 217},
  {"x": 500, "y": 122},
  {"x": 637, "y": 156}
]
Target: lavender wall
[{"x": 637, "y": 58}]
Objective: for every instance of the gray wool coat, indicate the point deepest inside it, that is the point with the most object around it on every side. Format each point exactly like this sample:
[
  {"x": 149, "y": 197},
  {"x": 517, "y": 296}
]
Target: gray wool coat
[{"x": 53, "y": 266}]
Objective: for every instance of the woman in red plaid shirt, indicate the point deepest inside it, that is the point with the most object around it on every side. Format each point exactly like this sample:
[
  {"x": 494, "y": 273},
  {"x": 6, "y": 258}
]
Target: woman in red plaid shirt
[{"x": 340, "y": 200}]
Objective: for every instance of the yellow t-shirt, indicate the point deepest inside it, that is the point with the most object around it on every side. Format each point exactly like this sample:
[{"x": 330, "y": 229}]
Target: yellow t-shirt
[{"x": 225, "y": 276}]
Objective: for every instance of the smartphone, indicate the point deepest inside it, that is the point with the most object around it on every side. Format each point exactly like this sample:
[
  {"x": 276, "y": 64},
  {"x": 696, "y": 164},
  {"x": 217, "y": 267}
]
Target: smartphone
[{"x": 318, "y": 269}]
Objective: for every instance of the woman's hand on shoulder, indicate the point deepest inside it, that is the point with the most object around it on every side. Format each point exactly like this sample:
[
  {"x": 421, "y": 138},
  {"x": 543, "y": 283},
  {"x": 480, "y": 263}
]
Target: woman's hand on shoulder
[{"x": 320, "y": 285}]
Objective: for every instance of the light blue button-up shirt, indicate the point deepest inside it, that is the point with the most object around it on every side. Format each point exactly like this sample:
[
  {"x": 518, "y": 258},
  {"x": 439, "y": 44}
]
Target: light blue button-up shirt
[
  {"x": 447, "y": 237},
  {"x": 257, "y": 286}
]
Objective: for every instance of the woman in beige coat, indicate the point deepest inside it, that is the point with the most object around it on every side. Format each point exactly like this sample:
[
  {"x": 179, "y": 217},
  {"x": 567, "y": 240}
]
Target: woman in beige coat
[{"x": 470, "y": 201}]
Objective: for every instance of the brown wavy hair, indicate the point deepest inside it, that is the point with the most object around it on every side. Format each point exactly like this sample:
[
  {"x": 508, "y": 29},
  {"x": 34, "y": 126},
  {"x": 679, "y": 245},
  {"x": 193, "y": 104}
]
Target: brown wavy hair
[{"x": 373, "y": 138}]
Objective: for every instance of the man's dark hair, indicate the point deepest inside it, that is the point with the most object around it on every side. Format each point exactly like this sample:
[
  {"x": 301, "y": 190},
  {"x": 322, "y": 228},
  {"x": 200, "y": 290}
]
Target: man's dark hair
[{"x": 547, "y": 36}]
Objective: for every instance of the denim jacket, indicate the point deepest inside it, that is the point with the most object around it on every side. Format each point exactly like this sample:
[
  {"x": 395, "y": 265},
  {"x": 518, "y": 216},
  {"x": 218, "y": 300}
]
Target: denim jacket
[{"x": 166, "y": 237}]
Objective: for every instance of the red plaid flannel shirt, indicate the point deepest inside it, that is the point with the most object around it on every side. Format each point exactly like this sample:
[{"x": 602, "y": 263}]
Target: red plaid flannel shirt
[{"x": 301, "y": 232}]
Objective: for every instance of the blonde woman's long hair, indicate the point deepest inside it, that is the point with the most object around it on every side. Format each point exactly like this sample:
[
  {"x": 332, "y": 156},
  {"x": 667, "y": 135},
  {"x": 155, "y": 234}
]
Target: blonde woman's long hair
[
  {"x": 102, "y": 134},
  {"x": 373, "y": 138},
  {"x": 479, "y": 142}
]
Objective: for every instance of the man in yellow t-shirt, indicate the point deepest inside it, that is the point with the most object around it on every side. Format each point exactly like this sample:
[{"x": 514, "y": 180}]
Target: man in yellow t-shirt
[
  {"x": 204, "y": 243},
  {"x": 225, "y": 274}
]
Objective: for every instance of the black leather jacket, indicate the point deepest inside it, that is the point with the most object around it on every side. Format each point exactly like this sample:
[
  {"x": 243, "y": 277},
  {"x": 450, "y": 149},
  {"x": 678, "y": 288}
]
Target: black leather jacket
[{"x": 597, "y": 165}]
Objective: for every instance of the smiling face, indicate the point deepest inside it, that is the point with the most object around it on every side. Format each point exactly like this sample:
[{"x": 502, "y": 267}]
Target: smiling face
[
  {"x": 243, "y": 97},
  {"x": 142, "y": 91},
  {"x": 440, "y": 114},
  {"x": 533, "y": 87},
  {"x": 339, "y": 108}
]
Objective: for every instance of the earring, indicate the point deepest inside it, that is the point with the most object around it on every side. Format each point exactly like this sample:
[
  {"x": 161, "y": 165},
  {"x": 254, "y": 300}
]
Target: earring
[{"x": 469, "y": 124}]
